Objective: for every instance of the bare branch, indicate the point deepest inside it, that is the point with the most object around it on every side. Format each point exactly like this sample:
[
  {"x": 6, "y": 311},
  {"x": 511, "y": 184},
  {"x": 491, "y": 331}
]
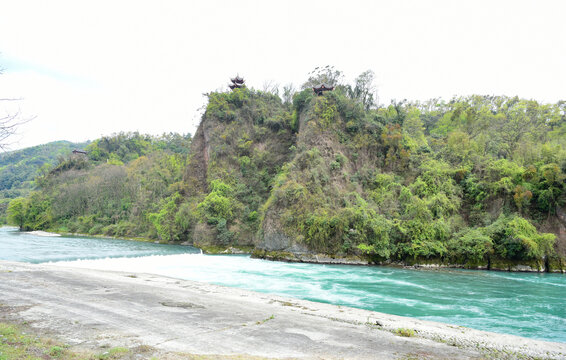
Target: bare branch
[
  {"x": 270, "y": 86},
  {"x": 9, "y": 124},
  {"x": 288, "y": 92}
]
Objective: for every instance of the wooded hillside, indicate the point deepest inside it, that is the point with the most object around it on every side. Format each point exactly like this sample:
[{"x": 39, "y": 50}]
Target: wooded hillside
[
  {"x": 18, "y": 169},
  {"x": 477, "y": 181}
]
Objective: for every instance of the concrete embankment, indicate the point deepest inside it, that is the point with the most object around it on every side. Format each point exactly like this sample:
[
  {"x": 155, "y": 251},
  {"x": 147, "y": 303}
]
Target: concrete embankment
[{"x": 92, "y": 309}]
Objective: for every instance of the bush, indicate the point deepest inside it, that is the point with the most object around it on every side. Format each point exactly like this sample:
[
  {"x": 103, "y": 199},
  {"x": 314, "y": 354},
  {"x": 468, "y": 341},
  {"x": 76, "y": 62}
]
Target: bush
[
  {"x": 164, "y": 221},
  {"x": 32, "y": 213},
  {"x": 470, "y": 245},
  {"x": 301, "y": 99},
  {"x": 96, "y": 229},
  {"x": 516, "y": 238},
  {"x": 217, "y": 204}
]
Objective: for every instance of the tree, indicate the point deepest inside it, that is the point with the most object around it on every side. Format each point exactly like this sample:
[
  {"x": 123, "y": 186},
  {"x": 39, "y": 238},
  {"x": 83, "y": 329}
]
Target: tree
[
  {"x": 217, "y": 205},
  {"x": 414, "y": 126},
  {"x": 8, "y": 125},
  {"x": 288, "y": 92},
  {"x": 326, "y": 75},
  {"x": 270, "y": 86},
  {"x": 17, "y": 212},
  {"x": 364, "y": 89},
  {"x": 9, "y": 121}
]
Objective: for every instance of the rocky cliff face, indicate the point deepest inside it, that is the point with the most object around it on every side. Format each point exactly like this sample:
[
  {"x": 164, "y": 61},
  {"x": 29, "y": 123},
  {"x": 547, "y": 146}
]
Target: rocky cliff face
[
  {"x": 326, "y": 181},
  {"x": 196, "y": 171},
  {"x": 315, "y": 182},
  {"x": 242, "y": 142}
]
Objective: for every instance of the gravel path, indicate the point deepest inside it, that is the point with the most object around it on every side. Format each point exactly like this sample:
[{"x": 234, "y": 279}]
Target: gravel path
[{"x": 96, "y": 309}]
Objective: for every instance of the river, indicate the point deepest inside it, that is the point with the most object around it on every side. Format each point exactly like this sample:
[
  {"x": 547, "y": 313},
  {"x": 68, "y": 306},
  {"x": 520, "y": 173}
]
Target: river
[{"x": 524, "y": 304}]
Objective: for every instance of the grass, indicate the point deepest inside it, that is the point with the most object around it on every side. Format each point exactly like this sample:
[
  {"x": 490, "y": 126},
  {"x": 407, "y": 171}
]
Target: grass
[
  {"x": 56, "y": 351},
  {"x": 219, "y": 357},
  {"x": 405, "y": 332},
  {"x": 265, "y": 320},
  {"x": 16, "y": 344}
]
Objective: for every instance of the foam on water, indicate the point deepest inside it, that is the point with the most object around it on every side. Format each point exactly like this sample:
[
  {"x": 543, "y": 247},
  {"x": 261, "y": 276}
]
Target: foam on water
[
  {"x": 34, "y": 248},
  {"x": 488, "y": 302},
  {"x": 529, "y": 305}
]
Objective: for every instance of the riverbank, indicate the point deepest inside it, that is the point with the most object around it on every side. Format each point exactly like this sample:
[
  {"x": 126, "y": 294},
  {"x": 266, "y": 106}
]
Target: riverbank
[
  {"x": 93, "y": 310},
  {"x": 555, "y": 265}
]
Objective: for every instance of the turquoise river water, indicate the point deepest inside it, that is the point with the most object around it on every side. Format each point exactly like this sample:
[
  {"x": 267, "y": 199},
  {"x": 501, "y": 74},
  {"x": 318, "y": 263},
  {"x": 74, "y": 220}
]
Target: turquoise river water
[{"x": 525, "y": 304}]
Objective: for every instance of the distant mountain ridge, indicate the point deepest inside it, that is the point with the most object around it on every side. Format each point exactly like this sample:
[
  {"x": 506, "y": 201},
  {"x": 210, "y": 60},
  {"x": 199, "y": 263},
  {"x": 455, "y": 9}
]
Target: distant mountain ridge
[{"x": 19, "y": 168}]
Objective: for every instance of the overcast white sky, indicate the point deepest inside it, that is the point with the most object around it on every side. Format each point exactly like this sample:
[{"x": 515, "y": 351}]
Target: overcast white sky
[{"x": 89, "y": 68}]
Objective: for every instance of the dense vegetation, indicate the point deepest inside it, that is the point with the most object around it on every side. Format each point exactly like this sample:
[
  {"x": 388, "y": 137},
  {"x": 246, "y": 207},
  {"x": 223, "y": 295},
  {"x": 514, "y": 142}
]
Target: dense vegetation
[
  {"x": 463, "y": 181},
  {"x": 18, "y": 169},
  {"x": 475, "y": 180},
  {"x": 110, "y": 191}
]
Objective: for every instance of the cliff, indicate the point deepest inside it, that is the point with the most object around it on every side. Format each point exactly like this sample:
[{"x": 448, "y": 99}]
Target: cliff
[
  {"x": 241, "y": 144},
  {"x": 476, "y": 182},
  {"x": 327, "y": 180}
]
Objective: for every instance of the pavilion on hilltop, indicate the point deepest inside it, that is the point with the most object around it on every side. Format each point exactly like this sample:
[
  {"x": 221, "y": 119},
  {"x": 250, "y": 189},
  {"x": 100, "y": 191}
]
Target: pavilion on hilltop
[{"x": 237, "y": 83}]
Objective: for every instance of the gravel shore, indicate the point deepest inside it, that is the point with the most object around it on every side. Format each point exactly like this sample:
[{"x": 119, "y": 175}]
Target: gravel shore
[{"x": 93, "y": 309}]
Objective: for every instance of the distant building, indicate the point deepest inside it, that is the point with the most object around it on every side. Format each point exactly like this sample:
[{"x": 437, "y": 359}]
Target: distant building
[
  {"x": 82, "y": 152},
  {"x": 237, "y": 83},
  {"x": 321, "y": 89}
]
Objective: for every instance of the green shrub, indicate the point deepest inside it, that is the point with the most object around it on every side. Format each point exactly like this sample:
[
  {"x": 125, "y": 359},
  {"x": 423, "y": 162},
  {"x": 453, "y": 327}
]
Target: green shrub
[
  {"x": 325, "y": 112},
  {"x": 405, "y": 332},
  {"x": 97, "y": 229},
  {"x": 56, "y": 351},
  {"x": 516, "y": 238},
  {"x": 252, "y": 216},
  {"x": 335, "y": 165},
  {"x": 470, "y": 245},
  {"x": 301, "y": 99},
  {"x": 218, "y": 204},
  {"x": 32, "y": 213},
  {"x": 168, "y": 221}
]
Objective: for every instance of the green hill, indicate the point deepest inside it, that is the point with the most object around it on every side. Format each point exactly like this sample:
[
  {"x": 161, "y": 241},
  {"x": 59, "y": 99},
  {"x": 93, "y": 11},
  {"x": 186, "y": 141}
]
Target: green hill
[
  {"x": 110, "y": 190},
  {"x": 19, "y": 168},
  {"x": 475, "y": 181},
  {"x": 462, "y": 182}
]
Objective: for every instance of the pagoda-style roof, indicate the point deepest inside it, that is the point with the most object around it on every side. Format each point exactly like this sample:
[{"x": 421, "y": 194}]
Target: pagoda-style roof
[
  {"x": 321, "y": 89},
  {"x": 237, "y": 83},
  {"x": 235, "y": 86},
  {"x": 238, "y": 80}
]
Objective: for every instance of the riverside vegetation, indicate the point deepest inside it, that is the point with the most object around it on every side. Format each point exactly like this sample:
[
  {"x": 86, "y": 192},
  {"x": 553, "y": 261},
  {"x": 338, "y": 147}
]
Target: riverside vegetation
[
  {"x": 18, "y": 169},
  {"x": 476, "y": 181}
]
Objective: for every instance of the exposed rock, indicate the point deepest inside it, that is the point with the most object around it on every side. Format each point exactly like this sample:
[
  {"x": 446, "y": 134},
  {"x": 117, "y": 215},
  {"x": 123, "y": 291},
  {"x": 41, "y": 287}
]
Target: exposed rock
[
  {"x": 203, "y": 235},
  {"x": 526, "y": 268}
]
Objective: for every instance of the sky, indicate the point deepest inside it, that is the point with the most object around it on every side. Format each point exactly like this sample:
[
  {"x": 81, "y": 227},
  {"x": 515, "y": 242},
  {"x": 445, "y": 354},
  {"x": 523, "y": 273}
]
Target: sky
[{"x": 83, "y": 69}]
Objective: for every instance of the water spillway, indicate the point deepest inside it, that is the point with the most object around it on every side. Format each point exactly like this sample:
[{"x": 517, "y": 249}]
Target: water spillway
[
  {"x": 36, "y": 248},
  {"x": 525, "y": 304}
]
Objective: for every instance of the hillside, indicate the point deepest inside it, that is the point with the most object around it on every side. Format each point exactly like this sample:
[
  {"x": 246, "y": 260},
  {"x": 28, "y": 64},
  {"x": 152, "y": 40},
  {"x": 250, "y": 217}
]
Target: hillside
[
  {"x": 377, "y": 185},
  {"x": 475, "y": 181},
  {"x": 19, "y": 168},
  {"x": 242, "y": 143},
  {"x": 466, "y": 182},
  {"x": 109, "y": 191}
]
